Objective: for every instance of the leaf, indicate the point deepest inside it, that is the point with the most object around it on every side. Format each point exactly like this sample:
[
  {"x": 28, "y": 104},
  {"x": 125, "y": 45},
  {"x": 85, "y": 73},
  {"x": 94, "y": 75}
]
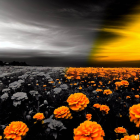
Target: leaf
[
  {"x": 55, "y": 135},
  {"x": 47, "y": 120},
  {"x": 51, "y": 116},
  {"x": 51, "y": 126}
]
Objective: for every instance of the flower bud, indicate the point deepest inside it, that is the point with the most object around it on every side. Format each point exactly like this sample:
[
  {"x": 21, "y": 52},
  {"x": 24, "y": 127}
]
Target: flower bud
[
  {"x": 45, "y": 102},
  {"x": 28, "y": 117}
]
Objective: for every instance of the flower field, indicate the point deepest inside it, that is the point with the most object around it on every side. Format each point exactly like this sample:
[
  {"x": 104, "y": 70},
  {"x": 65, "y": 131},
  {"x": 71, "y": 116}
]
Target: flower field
[{"x": 69, "y": 103}]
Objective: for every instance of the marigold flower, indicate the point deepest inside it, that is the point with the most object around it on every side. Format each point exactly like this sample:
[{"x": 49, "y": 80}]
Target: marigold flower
[
  {"x": 104, "y": 108},
  {"x": 100, "y": 90},
  {"x": 118, "y": 84},
  {"x": 132, "y": 137},
  {"x": 89, "y": 130},
  {"x": 137, "y": 96},
  {"x": 68, "y": 77},
  {"x": 125, "y": 82},
  {"x": 80, "y": 87},
  {"x": 39, "y": 116},
  {"x": 51, "y": 82},
  {"x": 107, "y": 91},
  {"x": 128, "y": 97},
  {"x": 15, "y": 130},
  {"x": 0, "y": 137},
  {"x": 62, "y": 112},
  {"x": 134, "y": 114},
  {"x": 120, "y": 130},
  {"x": 77, "y": 101},
  {"x": 96, "y": 105},
  {"x": 89, "y": 116}
]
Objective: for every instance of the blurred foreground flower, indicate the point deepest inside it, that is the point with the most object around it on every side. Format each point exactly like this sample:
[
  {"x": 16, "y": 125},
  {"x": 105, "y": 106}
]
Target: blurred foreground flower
[
  {"x": 89, "y": 130},
  {"x": 39, "y": 116},
  {"x": 134, "y": 114},
  {"x": 62, "y": 112},
  {"x": 77, "y": 101},
  {"x": 15, "y": 130},
  {"x": 137, "y": 96}
]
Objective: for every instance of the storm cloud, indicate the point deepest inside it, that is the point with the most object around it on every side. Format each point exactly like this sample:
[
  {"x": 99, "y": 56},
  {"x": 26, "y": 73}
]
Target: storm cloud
[{"x": 49, "y": 28}]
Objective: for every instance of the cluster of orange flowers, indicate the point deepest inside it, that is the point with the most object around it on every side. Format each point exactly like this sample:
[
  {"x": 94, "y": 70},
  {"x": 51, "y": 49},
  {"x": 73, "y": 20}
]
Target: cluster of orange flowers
[
  {"x": 89, "y": 130},
  {"x": 15, "y": 130},
  {"x": 134, "y": 114},
  {"x": 77, "y": 101},
  {"x": 103, "y": 108},
  {"x": 62, "y": 112},
  {"x": 132, "y": 137},
  {"x": 120, "y": 130},
  {"x": 116, "y": 73}
]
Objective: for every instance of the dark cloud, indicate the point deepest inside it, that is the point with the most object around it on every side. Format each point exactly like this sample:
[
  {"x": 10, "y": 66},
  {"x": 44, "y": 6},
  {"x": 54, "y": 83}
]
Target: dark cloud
[{"x": 53, "y": 28}]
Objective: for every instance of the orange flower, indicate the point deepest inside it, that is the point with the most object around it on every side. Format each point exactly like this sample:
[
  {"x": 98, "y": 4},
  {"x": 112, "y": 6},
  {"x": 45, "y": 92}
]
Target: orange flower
[
  {"x": 0, "y": 137},
  {"x": 137, "y": 96},
  {"x": 134, "y": 114},
  {"x": 80, "y": 87},
  {"x": 100, "y": 90},
  {"x": 125, "y": 82},
  {"x": 120, "y": 130},
  {"x": 77, "y": 101},
  {"x": 118, "y": 84},
  {"x": 15, "y": 130},
  {"x": 68, "y": 77},
  {"x": 107, "y": 91},
  {"x": 89, "y": 130},
  {"x": 132, "y": 137},
  {"x": 132, "y": 88},
  {"x": 62, "y": 112},
  {"x": 39, "y": 116},
  {"x": 89, "y": 116},
  {"x": 97, "y": 105},
  {"x": 128, "y": 97},
  {"x": 104, "y": 108}
]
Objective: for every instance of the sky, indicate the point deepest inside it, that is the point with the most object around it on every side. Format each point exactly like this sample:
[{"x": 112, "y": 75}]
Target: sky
[{"x": 55, "y": 32}]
